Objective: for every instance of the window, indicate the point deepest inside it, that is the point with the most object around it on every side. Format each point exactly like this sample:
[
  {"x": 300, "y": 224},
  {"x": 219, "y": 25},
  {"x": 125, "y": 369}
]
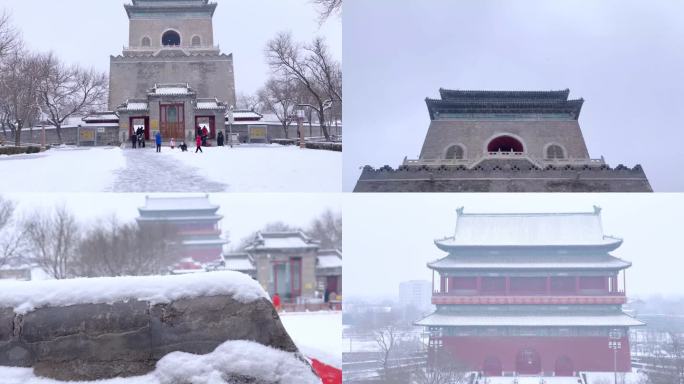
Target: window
[
  {"x": 505, "y": 144},
  {"x": 592, "y": 283},
  {"x": 562, "y": 285},
  {"x": 554, "y": 151},
  {"x": 146, "y": 41},
  {"x": 463, "y": 283},
  {"x": 455, "y": 152},
  {"x": 528, "y": 285},
  {"x": 494, "y": 285},
  {"x": 196, "y": 41},
  {"x": 171, "y": 39}
]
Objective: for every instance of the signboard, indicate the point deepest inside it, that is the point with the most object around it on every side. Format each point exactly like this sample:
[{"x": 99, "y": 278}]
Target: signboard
[
  {"x": 87, "y": 135},
  {"x": 154, "y": 124},
  {"x": 101, "y": 130},
  {"x": 258, "y": 132}
]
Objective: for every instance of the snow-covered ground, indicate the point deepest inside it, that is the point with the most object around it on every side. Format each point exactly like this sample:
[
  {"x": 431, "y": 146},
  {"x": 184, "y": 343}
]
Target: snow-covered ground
[
  {"x": 245, "y": 168},
  {"x": 65, "y": 169},
  {"x": 267, "y": 168},
  {"x": 318, "y": 335},
  {"x": 592, "y": 378}
]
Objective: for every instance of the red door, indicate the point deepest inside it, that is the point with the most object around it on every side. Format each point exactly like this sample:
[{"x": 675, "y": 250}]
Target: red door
[
  {"x": 172, "y": 121},
  {"x": 528, "y": 362}
]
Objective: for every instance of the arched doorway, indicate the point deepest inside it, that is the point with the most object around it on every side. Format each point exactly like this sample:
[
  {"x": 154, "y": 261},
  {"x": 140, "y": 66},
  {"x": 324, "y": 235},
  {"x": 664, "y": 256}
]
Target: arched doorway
[
  {"x": 171, "y": 39},
  {"x": 492, "y": 367},
  {"x": 528, "y": 362},
  {"x": 505, "y": 144},
  {"x": 564, "y": 367}
]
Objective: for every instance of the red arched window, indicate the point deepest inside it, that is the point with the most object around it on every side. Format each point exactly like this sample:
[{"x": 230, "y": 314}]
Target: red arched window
[{"x": 505, "y": 144}]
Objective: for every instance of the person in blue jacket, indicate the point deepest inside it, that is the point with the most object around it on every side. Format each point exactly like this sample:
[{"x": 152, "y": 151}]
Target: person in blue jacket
[{"x": 158, "y": 139}]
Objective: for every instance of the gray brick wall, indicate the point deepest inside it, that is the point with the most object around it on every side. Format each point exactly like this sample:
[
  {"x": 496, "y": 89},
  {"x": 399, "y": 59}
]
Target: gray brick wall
[{"x": 476, "y": 134}]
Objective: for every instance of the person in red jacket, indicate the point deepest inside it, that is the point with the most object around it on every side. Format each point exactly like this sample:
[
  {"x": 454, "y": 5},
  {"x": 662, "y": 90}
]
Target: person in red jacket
[
  {"x": 198, "y": 141},
  {"x": 276, "y": 302}
]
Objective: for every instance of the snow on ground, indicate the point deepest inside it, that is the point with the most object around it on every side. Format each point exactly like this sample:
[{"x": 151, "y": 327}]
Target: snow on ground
[
  {"x": 63, "y": 169},
  {"x": 318, "y": 335},
  {"x": 245, "y": 168},
  {"x": 236, "y": 357},
  {"x": 25, "y": 296},
  {"x": 592, "y": 378},
  {"x": 267, "y": 168}
]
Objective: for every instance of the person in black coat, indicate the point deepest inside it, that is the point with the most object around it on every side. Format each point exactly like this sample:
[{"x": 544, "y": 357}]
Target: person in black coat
[
  {"x": 134, "y": 140},
  {"x": 220, "y": 139}
]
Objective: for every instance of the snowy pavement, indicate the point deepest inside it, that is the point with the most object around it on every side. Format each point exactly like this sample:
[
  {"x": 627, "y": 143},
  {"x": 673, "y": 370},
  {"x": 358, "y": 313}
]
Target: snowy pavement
[
  {"x": 245, "y": 168},
  {"x": 147, "y": 171}
]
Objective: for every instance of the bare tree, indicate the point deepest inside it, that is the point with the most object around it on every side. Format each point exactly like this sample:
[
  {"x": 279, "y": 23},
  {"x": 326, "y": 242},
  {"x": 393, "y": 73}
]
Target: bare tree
[
  {"x": 248, "y": 102},
  {"x": 51, "y": 240},
  {"x": 70, "y": 90},
  {"x": 327, "y": 229},
  {"x": 10, "y": 239},
  {"x": 386, "y": 338},
  {"x": 279, "y": 96},
  {"x": 443, "y": 369},
  {"x": 115, "y": 249},
  {"x": 20, "y": 77},
  {"x": 327, "y": 8},
  {"x": 9, "y": 36},
  {"x": 307, "y": 65}
]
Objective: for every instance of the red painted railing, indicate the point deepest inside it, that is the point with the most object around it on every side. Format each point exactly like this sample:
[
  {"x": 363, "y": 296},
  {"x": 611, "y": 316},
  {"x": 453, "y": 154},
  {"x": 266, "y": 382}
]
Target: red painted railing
[{"x": 604, "y": 299}]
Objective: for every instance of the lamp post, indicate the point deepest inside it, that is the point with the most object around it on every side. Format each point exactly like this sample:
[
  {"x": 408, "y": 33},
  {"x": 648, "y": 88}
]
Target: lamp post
[
  {"x": 231, "y": 118},
  {"x": 615, "y": 335},
  {"x": 300, "y": 126}
]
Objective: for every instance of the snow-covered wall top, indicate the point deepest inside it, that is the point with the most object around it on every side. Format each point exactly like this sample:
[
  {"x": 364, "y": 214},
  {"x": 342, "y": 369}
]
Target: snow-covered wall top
[{"x": 24, "y": 297}]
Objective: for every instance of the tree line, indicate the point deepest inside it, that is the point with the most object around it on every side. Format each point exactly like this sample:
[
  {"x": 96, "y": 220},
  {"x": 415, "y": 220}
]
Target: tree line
[
  {"x": 55, "y": 241},
  {"x": 39, "y": 86},
  {"x": 303, "y": 76}
]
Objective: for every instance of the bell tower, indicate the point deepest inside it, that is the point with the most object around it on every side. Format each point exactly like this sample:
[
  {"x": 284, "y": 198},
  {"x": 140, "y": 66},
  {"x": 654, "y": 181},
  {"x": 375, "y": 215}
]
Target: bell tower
[{"x": 170, "y": 24}]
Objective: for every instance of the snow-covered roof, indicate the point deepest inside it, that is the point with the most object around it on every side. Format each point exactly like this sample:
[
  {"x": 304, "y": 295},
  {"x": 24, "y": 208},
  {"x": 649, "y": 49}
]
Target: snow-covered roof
[
  {"x": 449, "y": 320},
  {"x": 238, "y": 262},
  {"x": 27, "y": 296},
  {"x": 527, "y": 262},
  {"x": 178, "y": 203},
  {"x": 329, "y": 259},
  {"x": 98, "y": 125},
  {"x": 281, "y": 240},
  {"x": 135, "y": 106},
  {"x": 242, "y": 114},
  {"x": 102, "y": 116},
  {"x": 329, "y": 262},
  {"x": 528, "y": 230},
  {"x": 205, "y": 242},
  {"x": 204, "y": 104}
]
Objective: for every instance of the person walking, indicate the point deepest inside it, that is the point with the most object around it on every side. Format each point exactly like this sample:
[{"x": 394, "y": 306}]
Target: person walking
[
  {"x": 276, "y": 302},
  {"x": 134, "y": 141},
  {"x": 198, "y": 141},
  {"x": 158, "y": 141},
  {"x": 220, "y": 139},
  {"x": 172, "y": 143},
  {"x": 205, "y": 136}
]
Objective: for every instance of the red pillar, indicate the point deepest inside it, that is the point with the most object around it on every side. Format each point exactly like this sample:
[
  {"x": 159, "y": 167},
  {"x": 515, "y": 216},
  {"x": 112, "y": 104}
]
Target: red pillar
[
  {"x": 478, "y": 284},
  {"x": 577, "y": 284},
  {"x": 548, "y": 286},
  {"x": 508, "y": 285}
]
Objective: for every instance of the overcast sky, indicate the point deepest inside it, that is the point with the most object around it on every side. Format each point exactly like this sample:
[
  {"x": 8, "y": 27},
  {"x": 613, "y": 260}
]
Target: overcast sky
[
  {"x": 243, "y": 213},
  {"x": 389, "y": 238},
  {"x": 624, "y": 57},
  {"x": 89, "y": 31}
]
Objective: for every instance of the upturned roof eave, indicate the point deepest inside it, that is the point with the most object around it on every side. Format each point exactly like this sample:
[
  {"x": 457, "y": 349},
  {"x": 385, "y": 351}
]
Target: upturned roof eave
[{"x": 608, "y": 246}]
